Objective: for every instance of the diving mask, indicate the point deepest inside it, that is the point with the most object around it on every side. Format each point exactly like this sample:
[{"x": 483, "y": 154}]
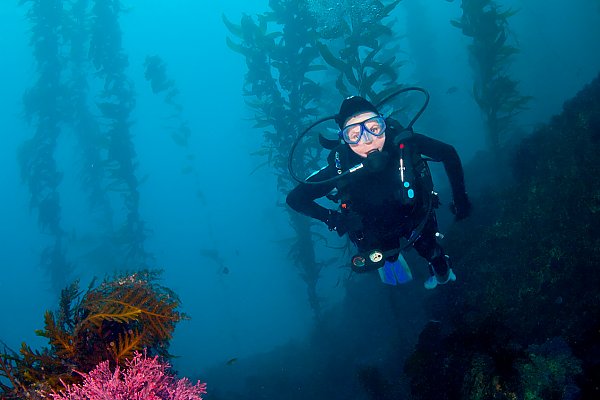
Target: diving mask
[{"x": 353, "y": 133}]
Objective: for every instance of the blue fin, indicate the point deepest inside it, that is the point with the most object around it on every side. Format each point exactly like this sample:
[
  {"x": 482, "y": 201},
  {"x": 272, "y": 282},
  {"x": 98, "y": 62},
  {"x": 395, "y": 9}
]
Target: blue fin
[{"x": 397, "y": 272}]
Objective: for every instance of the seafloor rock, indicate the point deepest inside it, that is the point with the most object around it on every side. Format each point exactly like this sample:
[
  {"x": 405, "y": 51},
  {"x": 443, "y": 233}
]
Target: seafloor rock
[{"x": 527, "y": 264}]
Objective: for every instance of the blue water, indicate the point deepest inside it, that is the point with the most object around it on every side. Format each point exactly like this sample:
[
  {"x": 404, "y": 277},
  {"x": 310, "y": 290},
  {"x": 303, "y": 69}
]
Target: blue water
[{"x": 261, "y": 303}]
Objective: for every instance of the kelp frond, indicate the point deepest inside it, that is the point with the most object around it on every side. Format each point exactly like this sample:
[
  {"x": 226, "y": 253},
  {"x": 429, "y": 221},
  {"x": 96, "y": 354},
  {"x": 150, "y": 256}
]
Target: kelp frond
[
  {"x": 111, "y": 310},
  {"x": 127, "y": 344},
  {"x": 62, "y": 342},
  {"x": 41, "y": 368},
  {"x": 132, "y": 300}
]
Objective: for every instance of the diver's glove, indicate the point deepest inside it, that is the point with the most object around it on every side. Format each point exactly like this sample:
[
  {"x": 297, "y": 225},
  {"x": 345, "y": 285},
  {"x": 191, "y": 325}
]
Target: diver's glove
[
  {"x": 461, "y": 207},
  {"x": 376, "y": 161},
  {"x": 343, "y": 223}
]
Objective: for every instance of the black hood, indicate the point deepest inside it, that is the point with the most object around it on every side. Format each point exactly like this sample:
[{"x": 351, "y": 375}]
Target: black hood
[{"x": 351, "y": 106}]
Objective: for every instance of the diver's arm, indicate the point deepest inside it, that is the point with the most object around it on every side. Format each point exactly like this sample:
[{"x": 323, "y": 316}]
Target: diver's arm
[
  {"x": 440, "y": 151},
  {"x": 302, "y": 197}
]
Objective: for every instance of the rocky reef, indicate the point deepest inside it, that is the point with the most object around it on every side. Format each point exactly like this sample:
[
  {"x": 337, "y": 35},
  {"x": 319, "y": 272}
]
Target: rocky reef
[{"x": 522, "y": 323}]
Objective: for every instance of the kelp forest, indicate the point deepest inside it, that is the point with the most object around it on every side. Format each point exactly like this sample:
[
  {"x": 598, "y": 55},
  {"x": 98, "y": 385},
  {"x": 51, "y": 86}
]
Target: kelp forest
[
  {"x": 520, "y": 323},
  {"x": 83, "y": 89},
  {"x": 491, "y": 52},
  {"x": 289, "y": 49},
  {"x": 77, "y": 46}
]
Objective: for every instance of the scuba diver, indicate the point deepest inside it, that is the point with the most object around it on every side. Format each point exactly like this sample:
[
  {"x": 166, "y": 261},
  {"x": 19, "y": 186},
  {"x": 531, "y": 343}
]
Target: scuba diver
[{"x": 377, "y": 171}]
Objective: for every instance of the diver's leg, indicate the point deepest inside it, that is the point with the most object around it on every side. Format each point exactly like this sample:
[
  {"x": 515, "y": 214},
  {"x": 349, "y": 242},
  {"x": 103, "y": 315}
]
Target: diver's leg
[{"x": 428, "y": 248}]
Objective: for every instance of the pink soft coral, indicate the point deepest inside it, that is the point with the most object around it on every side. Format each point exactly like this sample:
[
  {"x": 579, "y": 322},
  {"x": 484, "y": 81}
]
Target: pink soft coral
[{"x": 143, "y": 378}]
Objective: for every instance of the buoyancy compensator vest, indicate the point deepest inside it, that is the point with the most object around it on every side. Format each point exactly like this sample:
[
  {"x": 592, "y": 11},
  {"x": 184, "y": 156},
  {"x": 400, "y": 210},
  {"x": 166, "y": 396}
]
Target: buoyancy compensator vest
[
  {"x": 406, "y": 171},
  {"x": 413, "y": 170},
  {"x": 411, "y": 185}
]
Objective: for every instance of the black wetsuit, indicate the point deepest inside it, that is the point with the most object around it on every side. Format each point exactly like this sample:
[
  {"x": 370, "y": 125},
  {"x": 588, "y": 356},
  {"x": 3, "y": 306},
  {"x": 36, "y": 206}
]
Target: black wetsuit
[{"x": 377, "y": 197}]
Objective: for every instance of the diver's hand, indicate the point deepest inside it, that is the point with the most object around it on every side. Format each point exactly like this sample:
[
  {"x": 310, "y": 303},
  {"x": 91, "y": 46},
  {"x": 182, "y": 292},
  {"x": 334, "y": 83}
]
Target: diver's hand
[
  {"x": 343, "y": 223},
  {"x": 376, "y": 161},
  {"x": 461, "y": 207}
]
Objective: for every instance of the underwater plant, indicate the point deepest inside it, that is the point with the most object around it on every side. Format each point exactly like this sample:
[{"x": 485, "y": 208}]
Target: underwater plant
[
  {"x": 116, "y": 102},
  {"x": 142, "y": 378},
  {"x": 86, "y": 128},
  {"x": 178, "y": 127},
  {"x": 43, "y": 107},
  {"x": 70, "y": 40},
  {"x": 280, "y": 52},
  {"x": 285, "y": 53},
  {"x": 494, "y": 90},
  {"x": 107, "y": 323},
  {"x": 156, "y": 74},
  {"x": 359, "y": 44},
  {"x": 76, "y": 32}
]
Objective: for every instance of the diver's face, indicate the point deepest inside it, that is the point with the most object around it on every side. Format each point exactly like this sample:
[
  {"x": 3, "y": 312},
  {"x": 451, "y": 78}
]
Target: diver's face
[{"x": 368, "y": 143}]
